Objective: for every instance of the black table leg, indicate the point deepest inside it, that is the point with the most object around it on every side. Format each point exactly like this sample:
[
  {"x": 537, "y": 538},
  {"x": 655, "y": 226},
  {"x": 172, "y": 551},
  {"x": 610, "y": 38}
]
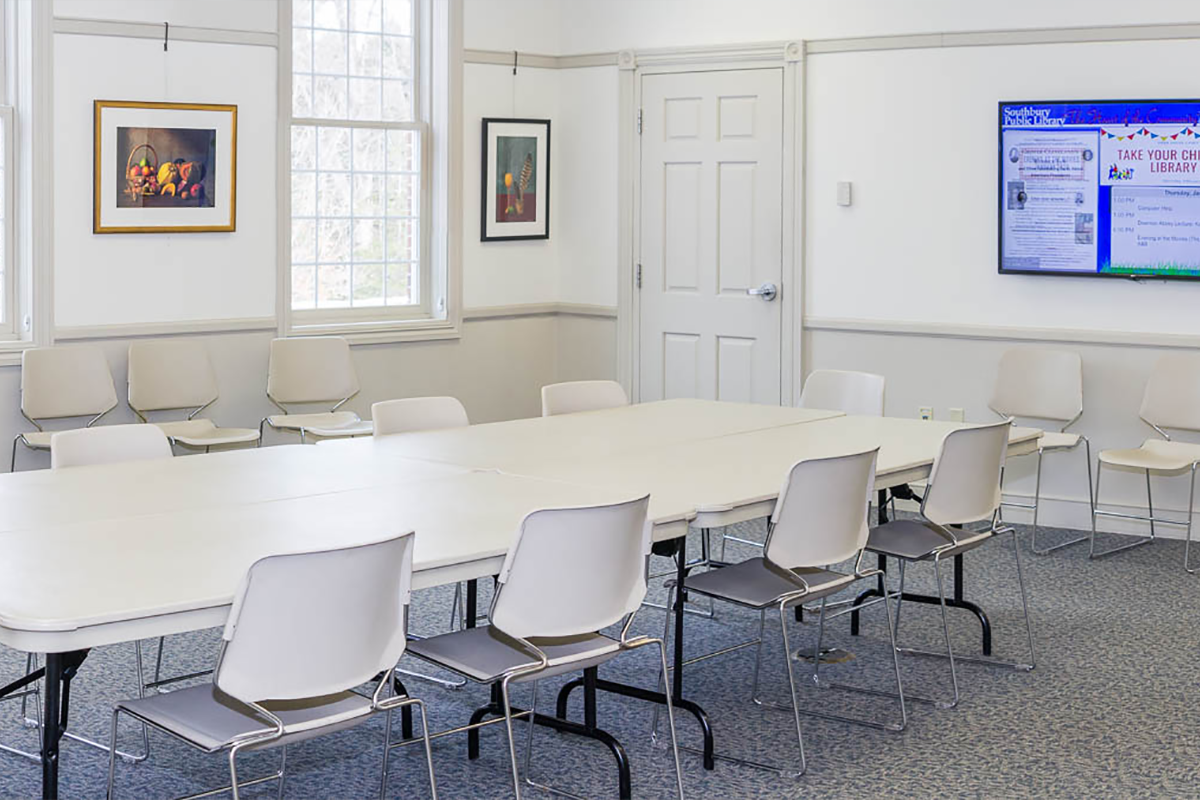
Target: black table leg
[
  {"x": 677, "y": 548},
  {"x": 50, "y": 730},
  {"x": 589, "y": 728},
  {"x": 59, "y": 670},
  {"x": 472, "y": 601}
]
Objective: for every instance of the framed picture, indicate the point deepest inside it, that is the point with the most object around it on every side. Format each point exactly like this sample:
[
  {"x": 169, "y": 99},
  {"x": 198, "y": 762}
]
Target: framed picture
[
  {"x": 164, "y": 167},
  {"x": 515, "y": 198}
]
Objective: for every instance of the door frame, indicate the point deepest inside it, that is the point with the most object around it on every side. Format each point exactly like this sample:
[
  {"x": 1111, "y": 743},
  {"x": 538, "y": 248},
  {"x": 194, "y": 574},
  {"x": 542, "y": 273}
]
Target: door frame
[{"x": 632, "y": 66}]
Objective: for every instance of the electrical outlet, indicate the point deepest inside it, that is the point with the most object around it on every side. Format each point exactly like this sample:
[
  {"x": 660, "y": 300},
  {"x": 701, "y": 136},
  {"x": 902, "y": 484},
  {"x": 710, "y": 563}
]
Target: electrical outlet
[
  {"x": 925, "y": 412},
  {"x": 956, "y": 415}
]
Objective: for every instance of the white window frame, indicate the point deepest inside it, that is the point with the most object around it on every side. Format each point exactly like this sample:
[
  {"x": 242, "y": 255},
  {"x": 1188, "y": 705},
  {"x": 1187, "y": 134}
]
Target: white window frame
[{"x": 437, "y": 49}]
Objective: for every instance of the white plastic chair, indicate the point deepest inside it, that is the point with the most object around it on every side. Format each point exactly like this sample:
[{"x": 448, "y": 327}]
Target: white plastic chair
[
  {"x": 575, "y": 396},
  {"x": 819, "y": 519},
  {"x": 177, "y": 374},
  {"x": 112, "y": 444},
  {"x": 313, "y": 369},
  {"x": 964, "y": 488},
  {"x": 1171, "y": 402},
  {"x": 546, "y": 616},
  {"x": 108, "y": 445},
  {"x": 411, "y": 414},
  {"x": 855, "y": 393},
  {"x": 62, "y": 383},
  {"x": 304, "y": 631},
  {"x": 1044, "y": 384}
]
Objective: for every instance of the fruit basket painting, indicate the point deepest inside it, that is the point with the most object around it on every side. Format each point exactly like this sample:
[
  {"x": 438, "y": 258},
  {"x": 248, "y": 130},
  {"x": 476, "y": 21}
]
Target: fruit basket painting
[{"x": 164, "y": 167}]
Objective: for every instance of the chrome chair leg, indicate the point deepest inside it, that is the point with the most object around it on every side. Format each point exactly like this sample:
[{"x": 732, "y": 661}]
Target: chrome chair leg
[
  {"x": 129, "y": 758},
  {"x": 1187, "y": 546},
  {"x": 937, "y": 568},
  {"x": 512, "y": 749},
  {"x": 1098, "y": 512},
  {"x": 787, "y": 658},
  {"x": 1024, "y": 598},
  {"x": 282, "y": 772}
]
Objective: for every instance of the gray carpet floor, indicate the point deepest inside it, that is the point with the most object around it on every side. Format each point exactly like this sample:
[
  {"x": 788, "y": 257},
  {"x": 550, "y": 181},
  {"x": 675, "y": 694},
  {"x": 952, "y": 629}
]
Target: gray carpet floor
[{"x": 1110, "y": 710}]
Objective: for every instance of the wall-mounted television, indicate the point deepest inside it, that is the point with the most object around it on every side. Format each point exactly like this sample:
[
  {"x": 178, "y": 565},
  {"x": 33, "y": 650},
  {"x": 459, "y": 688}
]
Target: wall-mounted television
[{"x": 1108, "y": 188}]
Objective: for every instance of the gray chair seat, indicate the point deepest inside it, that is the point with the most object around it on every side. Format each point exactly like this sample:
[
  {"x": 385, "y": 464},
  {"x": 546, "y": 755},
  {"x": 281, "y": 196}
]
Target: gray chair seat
[
  {"x": 757, "y": 583},
  {"x": 486, "y": 655},
  {"x": 915, "y": 540},
  {"x": 210, "y": 719}
]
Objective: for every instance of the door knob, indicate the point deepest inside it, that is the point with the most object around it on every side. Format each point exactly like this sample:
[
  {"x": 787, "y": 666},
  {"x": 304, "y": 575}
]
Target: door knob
[{"x": 768, "y": 291}]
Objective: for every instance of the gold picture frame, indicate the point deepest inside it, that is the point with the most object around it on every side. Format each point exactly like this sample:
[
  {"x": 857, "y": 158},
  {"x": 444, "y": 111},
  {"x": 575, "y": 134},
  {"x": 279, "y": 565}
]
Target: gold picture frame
[{"x": 189, "y": 187}]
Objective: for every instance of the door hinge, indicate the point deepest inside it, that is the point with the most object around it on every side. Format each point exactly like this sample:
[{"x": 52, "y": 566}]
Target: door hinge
[
  {"x": 639, "y": 276},
  {"x": 639, "y": 122}
]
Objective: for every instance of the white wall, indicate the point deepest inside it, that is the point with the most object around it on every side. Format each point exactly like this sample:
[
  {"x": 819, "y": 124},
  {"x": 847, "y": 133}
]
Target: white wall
[
  {"x": 589, "y": 26},
  {"x": 147, "y": 278},
  {"x": 915, "y": 130}
]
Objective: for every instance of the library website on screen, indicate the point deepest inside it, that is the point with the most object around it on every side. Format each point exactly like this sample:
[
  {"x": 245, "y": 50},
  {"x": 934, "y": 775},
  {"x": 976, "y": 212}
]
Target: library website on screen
[{"x": 1100, "y": 187}]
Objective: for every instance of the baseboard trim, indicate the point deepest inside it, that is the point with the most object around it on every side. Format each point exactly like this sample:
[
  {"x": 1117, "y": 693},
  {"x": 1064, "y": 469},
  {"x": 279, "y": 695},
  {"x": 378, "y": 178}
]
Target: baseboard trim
[
  {"x": 1073, "y": 513},
  {"x": 1001, "y": 332}
]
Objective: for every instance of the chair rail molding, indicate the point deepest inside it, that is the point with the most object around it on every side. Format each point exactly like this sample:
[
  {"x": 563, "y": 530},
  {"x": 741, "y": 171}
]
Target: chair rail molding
[{"x": 942, "y": 330}]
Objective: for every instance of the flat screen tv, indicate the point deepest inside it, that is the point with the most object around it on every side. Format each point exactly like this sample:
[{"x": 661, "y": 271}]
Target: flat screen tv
[{"x": 1106, "y": 188}]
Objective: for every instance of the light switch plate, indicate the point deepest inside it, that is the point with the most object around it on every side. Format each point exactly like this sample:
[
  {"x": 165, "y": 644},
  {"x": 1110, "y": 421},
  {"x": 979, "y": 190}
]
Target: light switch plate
[{"x": 843, "y": 193}]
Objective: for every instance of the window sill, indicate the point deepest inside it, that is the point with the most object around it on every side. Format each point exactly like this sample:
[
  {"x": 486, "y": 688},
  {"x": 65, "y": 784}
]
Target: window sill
[
  {"x": 11, "y": 350},
  {"x": 424, "y": 330}
]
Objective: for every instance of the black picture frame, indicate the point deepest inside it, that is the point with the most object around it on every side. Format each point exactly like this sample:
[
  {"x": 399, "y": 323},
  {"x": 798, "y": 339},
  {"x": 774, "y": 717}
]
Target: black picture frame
[{"x": 542, "y": 178}]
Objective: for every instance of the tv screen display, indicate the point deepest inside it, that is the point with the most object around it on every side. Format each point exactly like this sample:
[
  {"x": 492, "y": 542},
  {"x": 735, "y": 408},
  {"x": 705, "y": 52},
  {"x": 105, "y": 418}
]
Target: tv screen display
[{"x": 1104, "y": 187}]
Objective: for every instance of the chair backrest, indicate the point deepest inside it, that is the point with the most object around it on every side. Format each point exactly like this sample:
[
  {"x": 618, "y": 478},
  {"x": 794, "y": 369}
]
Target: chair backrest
[
  {"x": 964, "y": 485},
  {"x": 418, "y": 414},
  {"x": 107, "y": 444},
  {"x": 1172, "y": 396},
  {"x": 821, "y": 515},
  {"x": 857, "y": 393},
  {"x": 573, "y": 571},
  {"x": 1039, "y": 383},
  {"x": 312, "y": 624},
  {"x": 59, "y": 382},
  {"x": 567, "y": 398},
  {"x": 173, "y": 373},
  {"x": 311, "y": 369}
]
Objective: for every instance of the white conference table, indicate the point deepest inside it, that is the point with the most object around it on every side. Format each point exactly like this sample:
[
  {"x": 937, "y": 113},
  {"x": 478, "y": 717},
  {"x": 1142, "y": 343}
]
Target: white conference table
[{"x": 111, "y": 553}]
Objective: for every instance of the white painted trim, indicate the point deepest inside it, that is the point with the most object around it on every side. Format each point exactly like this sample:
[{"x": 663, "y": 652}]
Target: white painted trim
[
  {"x": 154, "y": 30},
  {"x": 181, "y": 328},
  {"x": 539, "y": 310},
  {"x": 41, "y": 128},
  {"x": 1106, "y": 33},
  {"x": 628, "y": 102},
  {"x": 504, "y": 58},
  {"x": 1002, "y": 332},
  {"x": 769, "y": 50}
]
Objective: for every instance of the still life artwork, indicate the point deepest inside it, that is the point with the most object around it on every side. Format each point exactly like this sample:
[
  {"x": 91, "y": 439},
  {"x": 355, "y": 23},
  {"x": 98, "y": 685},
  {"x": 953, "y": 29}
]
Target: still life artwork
[
  {"x": 164, "y": 167},
  {"x": 516, "y": 179}
]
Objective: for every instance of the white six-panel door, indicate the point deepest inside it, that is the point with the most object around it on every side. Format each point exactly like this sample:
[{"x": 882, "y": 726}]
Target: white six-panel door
[{"x": 711, "y": 210}]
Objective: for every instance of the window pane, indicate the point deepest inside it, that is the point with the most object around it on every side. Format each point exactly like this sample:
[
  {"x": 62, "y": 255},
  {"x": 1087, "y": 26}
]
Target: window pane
[
  {"x": 304, "y": 194},
  {"x": 304, "y": 241},
  {"x": 304, "y": 287},
  {"x": 400, "y": 284},
  {"x": 366, "y": 15},
  {"x": 368, "y": 285},
  {"x": 304, "y": 147},
  {"x": 397, "y": 57},
  {"x": 364, "y": 98},
  {"x": 333, "y": 148},
  {"x": 333, "y": 286},
  {"x": 397, "y": 101},
  {"x": 397, "y": 17},
  {"x": 330, "y": 14}
]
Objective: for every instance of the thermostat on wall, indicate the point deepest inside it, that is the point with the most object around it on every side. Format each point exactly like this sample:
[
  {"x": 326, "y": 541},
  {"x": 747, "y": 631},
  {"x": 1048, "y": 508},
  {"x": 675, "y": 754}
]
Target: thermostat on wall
[{"x": 843, "y": 193}]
